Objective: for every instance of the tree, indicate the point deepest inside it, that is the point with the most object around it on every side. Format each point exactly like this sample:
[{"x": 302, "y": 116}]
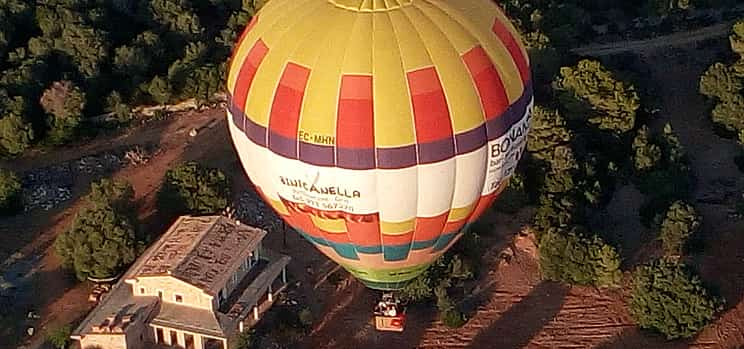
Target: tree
[
  {"x": 646, "y": 155},
  {"x": 737, "y": 38},
  {"x": 87, "y": 47},
  {"x": 10, "y": 192},
  {"x": 15, "y": 135},
  {"x": 448, "y": 313},
  {"x": 103, "y": 237},
  {"x": 60, "y": 337},
  {"x": 547, "y": 132},
  {"x": 65, "y": 102},
  {"x": 578, "y": 259},
  {"x": 191, "y": 188},
  {"x": 590, "y": 90},
  {"x": 720, "y": 82},
  {"x": 681, "y": 222},
  {"x": 668, "y": 298}
]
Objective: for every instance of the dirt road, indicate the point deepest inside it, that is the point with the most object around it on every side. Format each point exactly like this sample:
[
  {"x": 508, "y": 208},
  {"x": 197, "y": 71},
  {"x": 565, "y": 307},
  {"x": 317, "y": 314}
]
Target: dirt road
[{"x": 682, "y": 39}]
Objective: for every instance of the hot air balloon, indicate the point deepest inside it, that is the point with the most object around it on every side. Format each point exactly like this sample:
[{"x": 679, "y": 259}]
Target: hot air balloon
[{"x": 380, "y": 130}]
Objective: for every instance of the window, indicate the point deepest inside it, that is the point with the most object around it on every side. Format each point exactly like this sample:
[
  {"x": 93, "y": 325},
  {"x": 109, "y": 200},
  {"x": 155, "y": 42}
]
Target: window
[
  {"x": 142, "y": 290},
  {"x": 178, "y": 298}
]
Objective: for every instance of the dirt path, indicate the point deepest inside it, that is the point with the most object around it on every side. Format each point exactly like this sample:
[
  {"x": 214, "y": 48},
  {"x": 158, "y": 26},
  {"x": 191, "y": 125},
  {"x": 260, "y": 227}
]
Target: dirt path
[{"x": 662, "y": 42}]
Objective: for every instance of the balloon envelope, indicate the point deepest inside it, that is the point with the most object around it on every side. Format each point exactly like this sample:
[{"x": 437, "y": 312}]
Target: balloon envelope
[{"x": 380, "y": 130}]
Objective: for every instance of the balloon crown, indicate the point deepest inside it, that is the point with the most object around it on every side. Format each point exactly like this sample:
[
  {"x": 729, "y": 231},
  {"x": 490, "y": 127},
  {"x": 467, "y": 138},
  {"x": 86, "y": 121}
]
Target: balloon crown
[{"x": 371, "y": 5}]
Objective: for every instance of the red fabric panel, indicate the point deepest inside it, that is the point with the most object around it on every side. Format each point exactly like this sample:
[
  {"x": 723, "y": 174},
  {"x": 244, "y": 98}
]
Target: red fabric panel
[
  {"x": 454, "y": 226},
  {"x": 364, "y": 233},
  {"x": 396, "y": 240},
  {"x": 285, "y": 110},
  {"x": 512, "y": 46},
  {"x": 429, "y": 228},
  {"x": 355, "y": 123},
  {"x": 488, "y": 82},
  {"x": 248, "y": 72},
  {"x": 483, "y": 204},
  {"x": 429, "y": 106}
]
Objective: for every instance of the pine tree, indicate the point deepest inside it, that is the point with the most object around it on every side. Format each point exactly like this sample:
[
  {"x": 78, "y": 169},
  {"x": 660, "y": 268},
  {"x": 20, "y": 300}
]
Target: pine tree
[
  {"x": 547, "y": 132},
  {"x": 592, "y": 90},
  {"x": 646, "y": 155},
  {"x": 10, "y": 193},
  {"x": 193, "y": 189},
  {"x": 575, "y": 258},
  {"x": 668, "y": 298},
  {"x": 681, "y": 222}
]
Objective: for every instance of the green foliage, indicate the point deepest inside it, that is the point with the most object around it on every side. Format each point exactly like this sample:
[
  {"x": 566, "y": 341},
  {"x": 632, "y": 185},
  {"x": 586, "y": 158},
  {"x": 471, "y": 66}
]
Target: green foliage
[
  {"x": 456, "y": 266},
  {"x": 15, "y": 135},
  {"x": 514, "y": 197},
  {"x": 646, "y": 155},
  {"x": 10, "y": 193},
  {"x": 65, "y": 103},
  {"x": 668, "y": 298},
  {"x": 448, "y": 313},
  {"x": 680, "y": 223},
  {"x": 159, "y": 90},
  {"x": 103, "y": 237},
  {"x": 737, "y": 38},
  {"x": 203, "y": 83},
  {"x": 305, "y": 316},
  {"x": 547, "y": 132},
  {"x": 556, "y": 211},
  {"x": 176, "y": 15},
  {"x": 590, "y": 90},
  {"x": 59, "y": 337},
  {"x": 247, "y": 340},
  {"x": 193, "y": 189},
  {"x": 720, "y": 82},
  {"x": 571, "y": 257}
]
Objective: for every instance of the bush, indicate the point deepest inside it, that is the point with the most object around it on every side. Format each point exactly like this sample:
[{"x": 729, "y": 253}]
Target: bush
[
  {"x": 247, "y": 340},
  {"x": 305, "y": 316},
  {"x": 103, "y": 237},
  {"x": 573, "y": 258},
  {"x": 10, "y": 193},
  {"x": 448, "y": 313},
  {"x": 193, "y": 189},
  {"x": 515, "y": 197},
  {"x": 680, "y": 223},
  {"x": 667, "y": 298},
  {"x": 60, "y": 337}
]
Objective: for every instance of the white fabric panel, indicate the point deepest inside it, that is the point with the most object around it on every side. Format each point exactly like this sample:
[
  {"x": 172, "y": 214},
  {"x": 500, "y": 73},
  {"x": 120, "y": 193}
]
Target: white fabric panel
[
  {"x": 504, "y": 153},
  {"x": 397, "y": 194},
  {"x": 437, "y": 184},
  {"x": 471, "y": 174}
]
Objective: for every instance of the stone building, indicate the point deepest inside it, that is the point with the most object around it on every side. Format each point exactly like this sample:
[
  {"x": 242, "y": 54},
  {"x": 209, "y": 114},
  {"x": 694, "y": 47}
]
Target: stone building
[{"x": 202, "y": 283}]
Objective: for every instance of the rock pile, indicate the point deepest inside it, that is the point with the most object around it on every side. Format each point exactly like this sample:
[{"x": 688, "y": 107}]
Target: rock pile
[{"x": 250, "y": 209}]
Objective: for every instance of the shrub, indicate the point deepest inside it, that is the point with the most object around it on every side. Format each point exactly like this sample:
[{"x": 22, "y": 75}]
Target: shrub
[
  {"x": 448, "y": 313},
  {"x": 305, "y": 316},
  {"x": 247, "y": 340},
  {"x": 646, "y": 155},
  {"x": 668, "y": 298},
  {"x": 515, "y": 197},
  {"x": 591, "y": 89},
  {"x": 571, "y": 257},
  {"x": 191, "y": 188},
  {"x": 65, "y": 103},
  {"x": 10, "y": 193},
  {"x": 680, "y": 223},
  {"x": 60, "y": 336},
  {"x": 103, "y": 237}
]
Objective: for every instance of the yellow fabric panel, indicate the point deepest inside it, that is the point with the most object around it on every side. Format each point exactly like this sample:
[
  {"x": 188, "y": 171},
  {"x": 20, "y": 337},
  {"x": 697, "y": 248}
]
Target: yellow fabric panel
[
  {"x": 329, "y": 225},
  {"x": 458, "y": 214},
  {"x": 358, "y": 56},
  {"x": 462, "y": 97},
  {"x": 278, "y": 206},
  {"x": 456, "y": 34},
  {"x": 282, "y": 40},
  {"x": 478, "y": 20},
  {"x": 413, "y": 53},
  {"x": 267, "y": 21},
  {"x": 318, "y": 117},
  {"x": 394, "y": 123},
  {"x": 397, "y": 228}
]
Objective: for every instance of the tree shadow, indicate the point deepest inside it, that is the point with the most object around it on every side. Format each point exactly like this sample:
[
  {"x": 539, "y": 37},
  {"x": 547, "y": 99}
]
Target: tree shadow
[
  {"x": 518, "y": 325},
  {"x": 633, "y": 337}
]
